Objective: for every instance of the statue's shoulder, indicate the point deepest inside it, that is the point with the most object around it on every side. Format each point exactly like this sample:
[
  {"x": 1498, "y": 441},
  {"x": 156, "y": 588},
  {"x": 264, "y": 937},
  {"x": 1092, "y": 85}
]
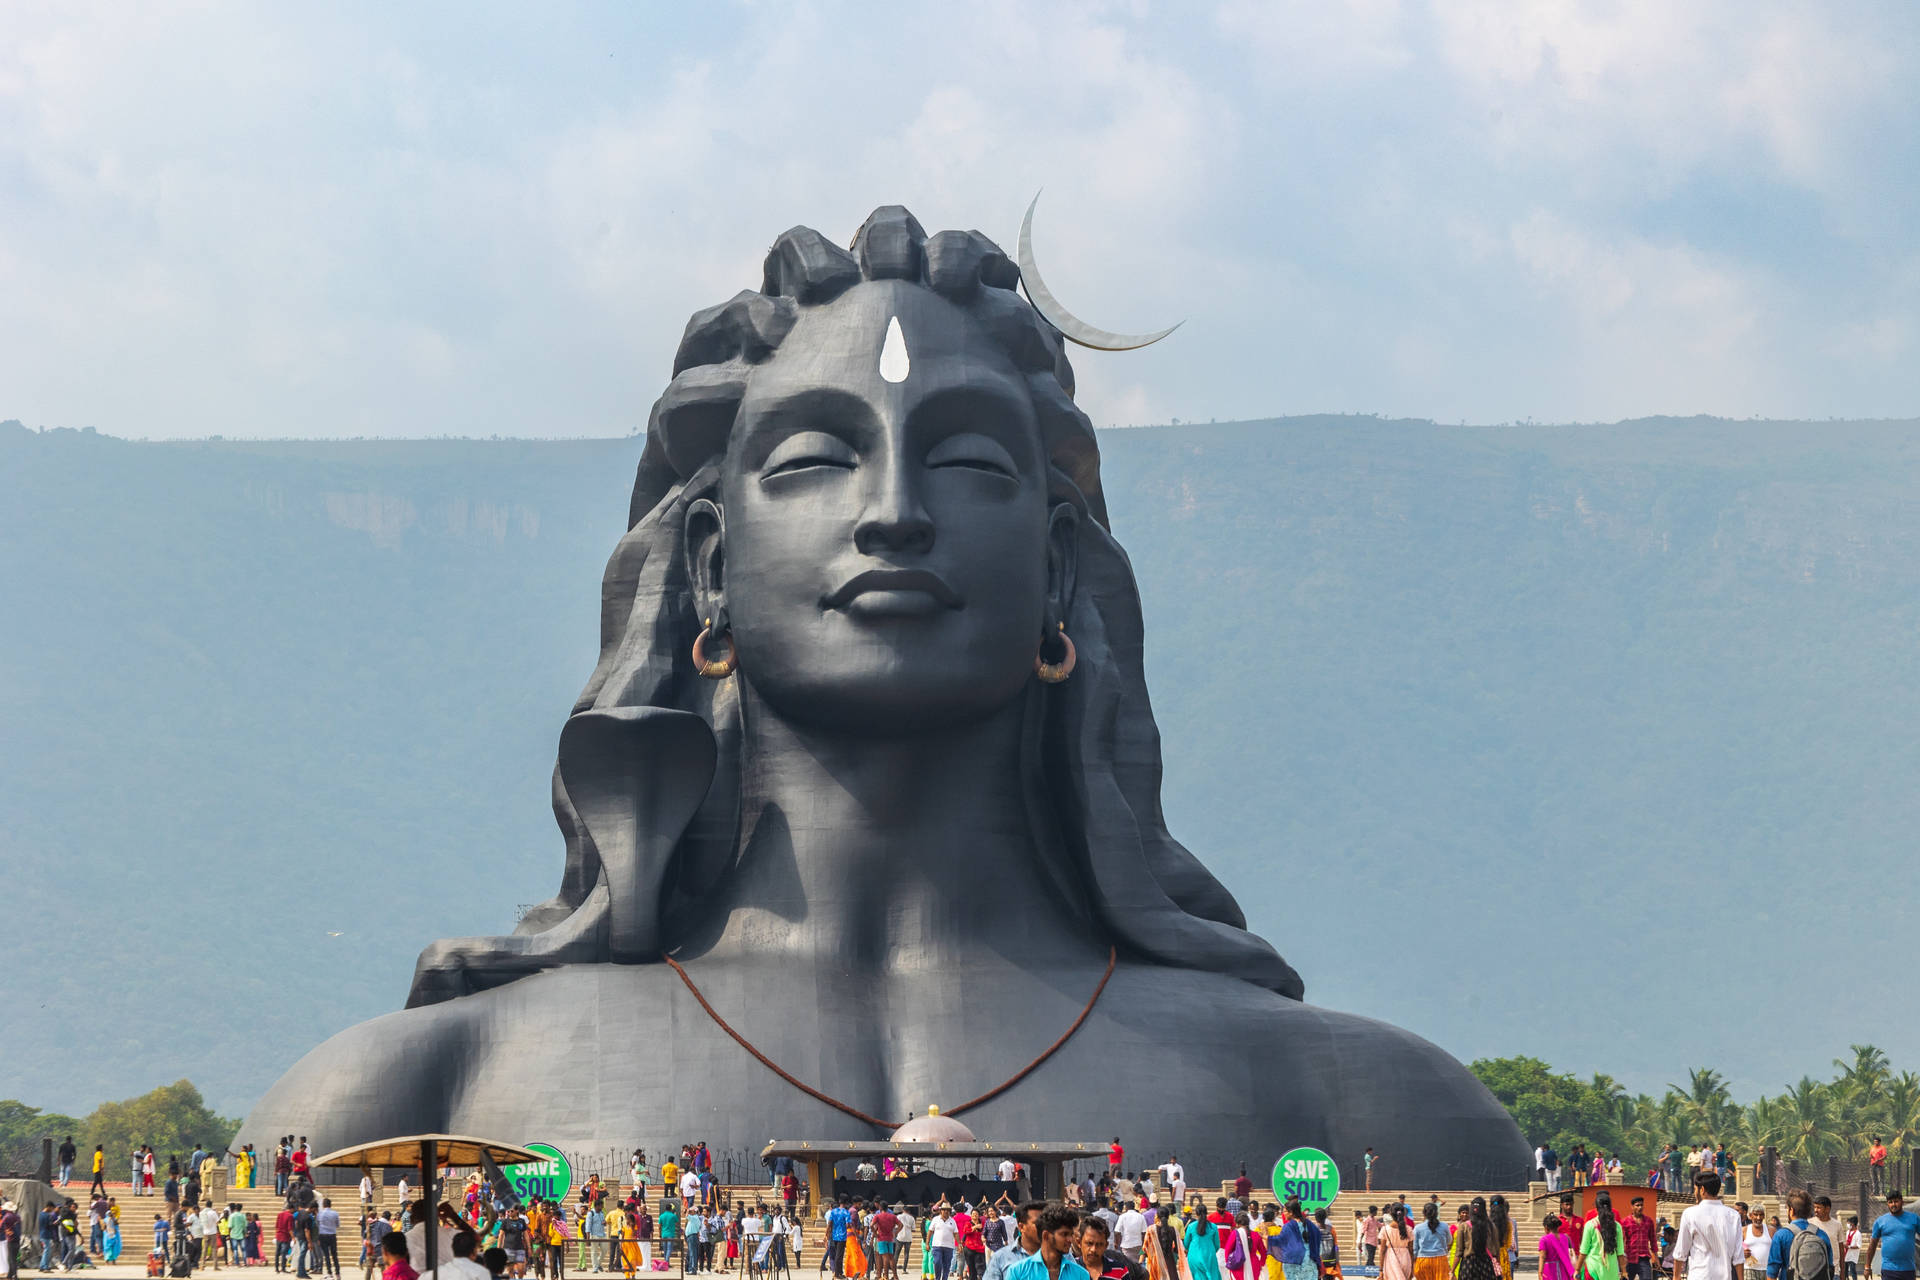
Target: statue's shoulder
[
  {"x": 1302, "y": 1075},
  {"x": 473, "y": 1060}
]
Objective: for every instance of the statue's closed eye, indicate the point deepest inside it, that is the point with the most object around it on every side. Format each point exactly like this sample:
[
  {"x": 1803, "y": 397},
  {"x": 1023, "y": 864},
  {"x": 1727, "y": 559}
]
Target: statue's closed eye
[
  {"x": 805, "y": 450},
  {"x": 975, "y": 452}
]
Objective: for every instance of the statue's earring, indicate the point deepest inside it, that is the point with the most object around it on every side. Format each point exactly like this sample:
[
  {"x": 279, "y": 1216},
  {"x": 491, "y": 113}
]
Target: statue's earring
[
  {"x": 1055, "y": 672},
  {"x": 712, "y": 668}
]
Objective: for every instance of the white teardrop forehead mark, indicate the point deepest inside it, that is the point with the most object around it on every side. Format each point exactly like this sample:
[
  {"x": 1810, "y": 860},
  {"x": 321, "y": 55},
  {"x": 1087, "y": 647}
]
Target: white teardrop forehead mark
[{"x": 893, "y": 353}]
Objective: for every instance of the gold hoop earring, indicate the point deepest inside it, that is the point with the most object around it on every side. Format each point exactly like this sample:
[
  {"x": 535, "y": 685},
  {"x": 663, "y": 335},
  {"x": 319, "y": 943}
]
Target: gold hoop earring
[
  {"x": 1055, "y": 672},
  {"x": 711, "y": 668}
]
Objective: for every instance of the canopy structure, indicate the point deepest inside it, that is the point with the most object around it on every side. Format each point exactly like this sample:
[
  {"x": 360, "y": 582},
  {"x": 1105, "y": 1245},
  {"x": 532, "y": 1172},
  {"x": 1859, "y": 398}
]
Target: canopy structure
[
  {"x": 429, "y": 1151},
  {"x": 1048, "y": 1159},
  {"x": 449, "y": 1148}
]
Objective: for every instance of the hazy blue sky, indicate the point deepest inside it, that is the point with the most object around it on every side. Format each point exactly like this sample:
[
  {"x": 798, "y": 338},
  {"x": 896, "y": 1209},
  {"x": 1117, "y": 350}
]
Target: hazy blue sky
[{"x": 419, "y": 219}]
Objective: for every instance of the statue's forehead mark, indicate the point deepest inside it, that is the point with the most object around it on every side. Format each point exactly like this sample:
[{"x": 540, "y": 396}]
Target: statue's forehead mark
[{"x": 894, "y": 362}]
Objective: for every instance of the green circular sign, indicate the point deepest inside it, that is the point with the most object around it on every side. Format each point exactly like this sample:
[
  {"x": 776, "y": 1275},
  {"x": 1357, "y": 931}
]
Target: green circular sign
[
  {"x": 549, "y": 1179},
  {"x": 1309, "y": 1175}
]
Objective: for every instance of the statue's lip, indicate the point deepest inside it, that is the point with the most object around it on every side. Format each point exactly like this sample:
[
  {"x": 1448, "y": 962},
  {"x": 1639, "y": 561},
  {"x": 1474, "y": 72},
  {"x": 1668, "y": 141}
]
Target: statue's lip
[{"x": 894, "y": 580}]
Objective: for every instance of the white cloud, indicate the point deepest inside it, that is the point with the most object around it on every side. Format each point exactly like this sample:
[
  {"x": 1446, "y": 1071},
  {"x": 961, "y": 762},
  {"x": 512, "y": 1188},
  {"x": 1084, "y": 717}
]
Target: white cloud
[
  {"x": 1654, "y": 322},
  {"x": 222, "y": 218},
  {"x": 1320, "y": 40}
]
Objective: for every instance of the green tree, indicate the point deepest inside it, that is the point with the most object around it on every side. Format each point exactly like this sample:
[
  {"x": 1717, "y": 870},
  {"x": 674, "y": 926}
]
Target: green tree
[
  {"x": 1901, "y": 1114},
  {"x": 1761, "y": 1125},
  {"x": 1707, "y": 1105},
  {"x": 1858, "y": 1097},
  {"x": 173, "y": 1118},
  {"x": 1549, "y": 1105},
  {"x": 1808, "y": 1120},
  {"x": 21, "y": 1129}
]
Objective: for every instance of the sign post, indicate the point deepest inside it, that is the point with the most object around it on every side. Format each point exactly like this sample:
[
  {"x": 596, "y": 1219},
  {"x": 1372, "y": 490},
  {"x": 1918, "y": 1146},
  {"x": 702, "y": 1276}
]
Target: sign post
[
  {"x": 1306, "y": 1174},
  {"x": 551, "y": 1179}
]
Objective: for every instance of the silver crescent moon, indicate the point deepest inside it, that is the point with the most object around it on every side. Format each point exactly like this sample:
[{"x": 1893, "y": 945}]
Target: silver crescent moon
[{"x": 1071, "y": 327}]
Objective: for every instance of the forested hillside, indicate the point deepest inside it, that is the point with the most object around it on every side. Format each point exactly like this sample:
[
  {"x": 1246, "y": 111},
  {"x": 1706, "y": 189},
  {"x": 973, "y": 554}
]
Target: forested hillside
[{"x": 1506, "y": 735}]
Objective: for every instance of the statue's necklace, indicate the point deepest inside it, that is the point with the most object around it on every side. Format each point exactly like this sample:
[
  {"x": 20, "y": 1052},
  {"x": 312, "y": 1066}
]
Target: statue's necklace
[{"x": 876, "y": 1121}]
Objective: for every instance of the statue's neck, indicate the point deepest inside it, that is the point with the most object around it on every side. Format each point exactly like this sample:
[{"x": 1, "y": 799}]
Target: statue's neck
[{"x": 890, "y": 855}]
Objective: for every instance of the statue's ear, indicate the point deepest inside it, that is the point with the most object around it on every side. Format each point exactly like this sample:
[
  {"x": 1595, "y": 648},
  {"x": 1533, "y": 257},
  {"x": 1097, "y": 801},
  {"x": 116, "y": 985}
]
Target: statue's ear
[
  {"x": 1063, "y": 548},
  {"x": 706, "y": 558}
]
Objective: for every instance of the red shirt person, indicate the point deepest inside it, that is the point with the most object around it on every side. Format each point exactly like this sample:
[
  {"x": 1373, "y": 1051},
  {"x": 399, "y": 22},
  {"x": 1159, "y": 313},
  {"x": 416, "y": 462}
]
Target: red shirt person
[{"x": 1641, "y": 1233}]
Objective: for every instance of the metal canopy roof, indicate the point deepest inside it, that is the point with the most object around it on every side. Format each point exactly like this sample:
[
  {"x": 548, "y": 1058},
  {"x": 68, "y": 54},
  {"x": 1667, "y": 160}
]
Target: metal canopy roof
[
  {"x": 450, "y": 1148},
  {"x": 841, "y": 1149}
]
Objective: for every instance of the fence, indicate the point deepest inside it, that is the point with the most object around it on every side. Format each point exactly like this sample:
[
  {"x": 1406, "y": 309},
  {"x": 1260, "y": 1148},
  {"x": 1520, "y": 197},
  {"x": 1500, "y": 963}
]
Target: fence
[
  {"x": 1852, "y": 1185},
  {"x": 24, "y": 1157}
]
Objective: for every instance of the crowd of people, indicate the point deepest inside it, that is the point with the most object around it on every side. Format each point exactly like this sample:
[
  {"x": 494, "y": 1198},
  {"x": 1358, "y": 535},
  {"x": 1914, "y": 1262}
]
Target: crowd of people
[
  {"x": 1712, "y": 1238},
  {"x": 63, "y": 1245},
  {"x": 1673, "y": 1168},
  {"x": 1114, "y": 1227}
]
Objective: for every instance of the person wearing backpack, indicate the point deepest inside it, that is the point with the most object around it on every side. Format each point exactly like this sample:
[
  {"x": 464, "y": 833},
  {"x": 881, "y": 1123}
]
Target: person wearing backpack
[
  {"x": 1836, "y": 1233},
  {"x": 1801, "y": 1250}
]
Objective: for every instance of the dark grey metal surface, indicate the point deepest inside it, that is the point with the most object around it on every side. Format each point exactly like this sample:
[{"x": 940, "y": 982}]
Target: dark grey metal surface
[{"x": 888, "y": 854}]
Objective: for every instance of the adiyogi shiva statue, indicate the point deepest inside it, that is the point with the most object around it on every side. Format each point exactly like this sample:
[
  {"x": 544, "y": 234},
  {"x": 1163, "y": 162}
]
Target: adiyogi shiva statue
[{"x": 861, "y": 803}]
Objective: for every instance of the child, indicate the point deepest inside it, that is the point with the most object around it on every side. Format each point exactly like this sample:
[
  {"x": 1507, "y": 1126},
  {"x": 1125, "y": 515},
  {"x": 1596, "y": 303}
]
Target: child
[{"x": 1556, "y": 1260}]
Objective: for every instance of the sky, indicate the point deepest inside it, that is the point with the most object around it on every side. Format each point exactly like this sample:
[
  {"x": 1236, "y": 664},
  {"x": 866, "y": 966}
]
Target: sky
[{"x": 420, "y": 220}]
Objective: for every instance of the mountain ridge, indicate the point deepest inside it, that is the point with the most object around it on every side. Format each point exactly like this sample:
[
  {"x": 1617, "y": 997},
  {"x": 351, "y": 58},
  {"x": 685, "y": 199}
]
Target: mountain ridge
[{"x": 1513, "y": 705}]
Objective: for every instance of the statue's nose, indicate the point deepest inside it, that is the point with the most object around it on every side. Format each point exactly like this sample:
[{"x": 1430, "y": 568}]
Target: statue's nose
[{"x": 894, "y": 519}]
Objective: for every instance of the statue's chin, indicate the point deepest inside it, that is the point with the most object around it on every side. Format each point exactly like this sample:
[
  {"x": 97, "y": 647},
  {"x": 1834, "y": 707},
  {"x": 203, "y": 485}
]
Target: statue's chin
[{"x": 886, "y": 701}]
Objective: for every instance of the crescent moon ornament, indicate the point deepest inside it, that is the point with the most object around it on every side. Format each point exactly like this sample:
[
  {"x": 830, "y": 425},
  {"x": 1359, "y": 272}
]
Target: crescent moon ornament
[{"x": 1071, "y": 327}]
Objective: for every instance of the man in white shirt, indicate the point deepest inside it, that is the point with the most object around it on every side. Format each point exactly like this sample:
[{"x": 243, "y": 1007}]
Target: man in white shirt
[
  {"x": 905, "y": 1236},
  {"x": 1006, "y": 1170},
  {"x": 196, "y": 1237},
  {"x": 461, "y": 1266},
  {"x": 690, "y": 1187},
  {"x": 209, "y": 1236},
  {"x": 1540, "y": 1163},
  {"x": 944, "y": 1232},
  {"x": 1131, "y": 1232},
  {"x": 366, "y": 1191},
  {"x": 1176, "y": 1179},
  {"x": 416, "y": 1238},
  {"x": 1708, "y": 1246}
]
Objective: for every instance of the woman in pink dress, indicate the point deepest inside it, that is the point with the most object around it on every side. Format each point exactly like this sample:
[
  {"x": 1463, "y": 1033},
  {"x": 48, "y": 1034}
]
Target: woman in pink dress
[
  {"x": 1556, "y": 1262},
  {"x": 1396, "y": 1246}
]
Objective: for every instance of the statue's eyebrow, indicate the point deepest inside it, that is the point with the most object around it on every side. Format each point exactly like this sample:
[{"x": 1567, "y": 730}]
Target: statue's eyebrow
[
  {"x": 834, "y": 410},
  {"x": 990, "y": 407}
]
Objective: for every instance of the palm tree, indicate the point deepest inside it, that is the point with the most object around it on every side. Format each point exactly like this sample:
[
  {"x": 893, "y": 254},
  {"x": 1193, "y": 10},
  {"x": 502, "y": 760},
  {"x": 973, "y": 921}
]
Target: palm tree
[
  {"x": 1859, "y": 1096},
  {"x": 1616, "y": 1104},
  {"x": 1808, "y": 1112},
  {"x": 1762, "y": 1125},
  {"x": 1658, "y": 1122},
  {"x": 1869, "y": 1069},
  {"x": 1706, "y": 1103},
  {"x": 1902, "y": 1114}
]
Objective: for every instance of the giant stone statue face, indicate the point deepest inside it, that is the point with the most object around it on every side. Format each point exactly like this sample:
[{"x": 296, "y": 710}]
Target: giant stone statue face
[
  {"x": 882, "y": 544},
  {"x": 885, "y": 829}
]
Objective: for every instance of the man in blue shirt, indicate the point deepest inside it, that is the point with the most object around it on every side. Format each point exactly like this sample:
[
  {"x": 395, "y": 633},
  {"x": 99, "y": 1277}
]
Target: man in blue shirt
[
  {"x": 1896, "y": 1226},
  {"x": 838, "y": 1219},
  {"x": 1800, "y": 1205},
  {"x": 594, "y": 1232},
  {"x": 1055, "y": 1260},
  {"x": 1024, "y": 1246}
]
